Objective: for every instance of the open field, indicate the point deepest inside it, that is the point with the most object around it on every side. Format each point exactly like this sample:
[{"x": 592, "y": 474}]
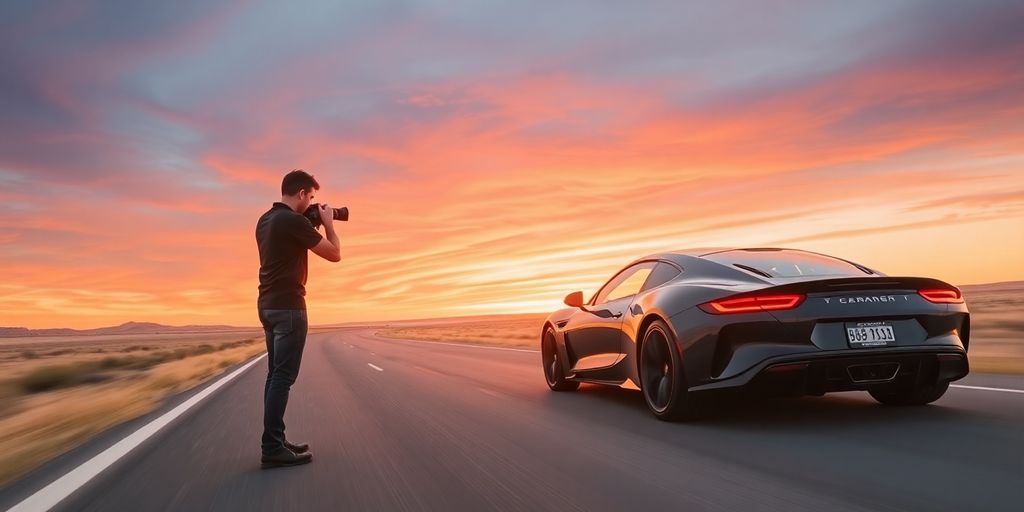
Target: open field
[
  {"x": 514, "y": 331},
  {"x": 56, "y": 392},
  {"x": 997, "y": 328},
  {"x": 21, "y": 355}
]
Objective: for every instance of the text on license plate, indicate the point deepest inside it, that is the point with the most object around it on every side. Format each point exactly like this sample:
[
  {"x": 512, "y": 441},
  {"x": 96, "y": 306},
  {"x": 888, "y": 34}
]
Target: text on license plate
[{"x": 870, "y": 334}]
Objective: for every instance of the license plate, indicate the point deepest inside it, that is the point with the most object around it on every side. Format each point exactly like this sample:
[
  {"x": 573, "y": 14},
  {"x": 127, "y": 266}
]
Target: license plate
[{"x": 870, "y": 334}]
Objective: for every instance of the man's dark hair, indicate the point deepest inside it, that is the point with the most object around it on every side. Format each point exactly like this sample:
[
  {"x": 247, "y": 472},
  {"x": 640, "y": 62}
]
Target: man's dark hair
[{"x": 298, "y": 180}]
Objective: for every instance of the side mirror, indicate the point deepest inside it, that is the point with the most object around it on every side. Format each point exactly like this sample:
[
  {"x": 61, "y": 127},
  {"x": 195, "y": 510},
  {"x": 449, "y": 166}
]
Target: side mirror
[{"x": 574, "y": 299}]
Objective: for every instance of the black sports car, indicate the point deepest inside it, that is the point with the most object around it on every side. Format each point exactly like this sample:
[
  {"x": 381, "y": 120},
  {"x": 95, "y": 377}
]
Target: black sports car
[{"x": 782, "y": 321}]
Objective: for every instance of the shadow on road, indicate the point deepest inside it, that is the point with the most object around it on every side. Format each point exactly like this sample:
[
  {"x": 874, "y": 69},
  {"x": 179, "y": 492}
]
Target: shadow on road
[{"x": 761, "y": 413}]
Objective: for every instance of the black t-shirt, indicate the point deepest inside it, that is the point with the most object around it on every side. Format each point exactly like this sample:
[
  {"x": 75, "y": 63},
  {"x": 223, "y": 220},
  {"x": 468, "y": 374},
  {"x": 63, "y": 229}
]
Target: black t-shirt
[{"x": 283, "y": 237}]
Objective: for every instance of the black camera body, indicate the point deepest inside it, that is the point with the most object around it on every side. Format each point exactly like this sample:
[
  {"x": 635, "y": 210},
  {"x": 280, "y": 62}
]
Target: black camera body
[{"x": 313, "y": 214}]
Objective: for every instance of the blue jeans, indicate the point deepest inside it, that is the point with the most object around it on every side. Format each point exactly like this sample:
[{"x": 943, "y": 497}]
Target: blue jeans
[{"x": 285, "y": 330}]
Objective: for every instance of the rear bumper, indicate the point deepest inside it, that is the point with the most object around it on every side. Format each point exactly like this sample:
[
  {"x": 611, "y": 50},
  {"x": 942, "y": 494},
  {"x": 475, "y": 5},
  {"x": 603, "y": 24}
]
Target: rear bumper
[{"x": 847, "y": 370}]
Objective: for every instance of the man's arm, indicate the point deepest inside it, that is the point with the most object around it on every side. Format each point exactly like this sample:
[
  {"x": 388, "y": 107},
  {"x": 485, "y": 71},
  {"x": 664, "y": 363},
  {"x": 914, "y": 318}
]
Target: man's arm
[{"x": 328, "y": 248}]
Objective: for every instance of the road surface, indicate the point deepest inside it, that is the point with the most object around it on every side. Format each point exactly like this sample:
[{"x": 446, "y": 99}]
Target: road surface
[{"x": 407, "y": 425}]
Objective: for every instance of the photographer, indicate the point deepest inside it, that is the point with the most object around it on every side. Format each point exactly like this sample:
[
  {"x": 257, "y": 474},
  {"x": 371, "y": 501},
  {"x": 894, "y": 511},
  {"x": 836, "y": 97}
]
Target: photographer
[{"x": 284, "y": 234}]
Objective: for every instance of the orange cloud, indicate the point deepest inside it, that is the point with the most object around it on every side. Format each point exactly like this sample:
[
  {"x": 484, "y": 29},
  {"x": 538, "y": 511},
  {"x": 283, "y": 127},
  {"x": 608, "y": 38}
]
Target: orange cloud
[{"x": 489, "y": 194}]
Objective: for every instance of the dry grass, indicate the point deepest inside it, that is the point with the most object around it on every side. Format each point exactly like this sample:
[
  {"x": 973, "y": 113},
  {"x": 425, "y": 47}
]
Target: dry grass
[
  {"x": 997, "y": 327},
  {"x": 37, "y": 426},
  {"x": 24, "y": 355},
  {"x": 516, "y": 332}
]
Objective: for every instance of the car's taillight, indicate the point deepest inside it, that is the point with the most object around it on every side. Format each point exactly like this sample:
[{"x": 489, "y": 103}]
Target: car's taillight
[
  {"x": 942, "y": 295},
  {"x": 753, "y": 303}
]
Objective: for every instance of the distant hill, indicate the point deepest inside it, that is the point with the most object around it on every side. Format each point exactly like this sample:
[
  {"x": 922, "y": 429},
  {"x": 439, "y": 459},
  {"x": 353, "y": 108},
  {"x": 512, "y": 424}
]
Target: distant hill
[
  {"x": 125, "y": 328},
  {"x": 154, "y": 328}
]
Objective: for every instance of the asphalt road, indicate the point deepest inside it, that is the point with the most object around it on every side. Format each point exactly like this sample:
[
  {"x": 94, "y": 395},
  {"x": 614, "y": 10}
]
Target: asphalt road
[{"x": 405, "y": 425}]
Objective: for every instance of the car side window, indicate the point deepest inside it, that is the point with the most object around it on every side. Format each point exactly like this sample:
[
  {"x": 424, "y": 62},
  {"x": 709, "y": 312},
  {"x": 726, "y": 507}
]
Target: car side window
[
  {"x": 662, "y": 273},
  {"x": 626, "y": 283}
]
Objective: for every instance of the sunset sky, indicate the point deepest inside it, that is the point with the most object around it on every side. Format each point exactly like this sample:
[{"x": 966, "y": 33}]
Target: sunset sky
[{"x": 494, "y": 157}]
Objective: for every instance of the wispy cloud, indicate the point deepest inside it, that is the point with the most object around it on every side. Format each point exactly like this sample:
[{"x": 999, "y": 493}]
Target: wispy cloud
[{"x": 494, "y": 160}]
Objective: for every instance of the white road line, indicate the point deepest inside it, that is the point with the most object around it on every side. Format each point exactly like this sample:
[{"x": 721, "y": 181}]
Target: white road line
[
  {"x": 462, "y": 345},
  {"x": 375, "y": 367},
  {"x": 49, "y": 496},
  {"x": 982, "y": 388}
]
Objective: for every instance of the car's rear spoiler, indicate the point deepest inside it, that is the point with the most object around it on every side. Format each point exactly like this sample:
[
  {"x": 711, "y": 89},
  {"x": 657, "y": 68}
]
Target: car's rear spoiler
[{"x": 844, "y": 284}]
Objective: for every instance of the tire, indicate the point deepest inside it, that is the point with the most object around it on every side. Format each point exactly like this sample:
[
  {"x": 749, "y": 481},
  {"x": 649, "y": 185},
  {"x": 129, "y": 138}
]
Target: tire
[
  {"x": 552, "y": 363},
  {"x": 662, "y": 380},
  {"x": 919, "y": 395}
]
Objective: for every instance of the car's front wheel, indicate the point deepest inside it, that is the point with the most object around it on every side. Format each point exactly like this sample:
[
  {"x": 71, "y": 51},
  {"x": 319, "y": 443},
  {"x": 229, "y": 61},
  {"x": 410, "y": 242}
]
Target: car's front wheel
[
  {"x": 910, "y": 395},
  {"x": 553, "y": 372},
  {"x": 663, "y": 382}
]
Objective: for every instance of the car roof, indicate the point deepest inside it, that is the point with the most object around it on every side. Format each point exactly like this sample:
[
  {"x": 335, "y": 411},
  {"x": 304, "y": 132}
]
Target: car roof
[{"x": 681, "y": 255}]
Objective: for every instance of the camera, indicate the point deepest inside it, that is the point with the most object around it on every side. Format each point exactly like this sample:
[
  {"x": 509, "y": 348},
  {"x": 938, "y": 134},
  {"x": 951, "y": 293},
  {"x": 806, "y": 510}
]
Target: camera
[{"x": 313, "y": 214}]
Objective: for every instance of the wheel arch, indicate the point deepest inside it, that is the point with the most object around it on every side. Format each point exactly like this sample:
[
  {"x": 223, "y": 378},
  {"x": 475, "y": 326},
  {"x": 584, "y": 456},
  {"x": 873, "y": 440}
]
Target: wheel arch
[
  {"x": 641, "y": 334},
  {"x": 544, "y": 329}
]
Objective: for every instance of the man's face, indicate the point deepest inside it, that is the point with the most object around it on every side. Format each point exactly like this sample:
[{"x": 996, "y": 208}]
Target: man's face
[{"x": 305, "y": 199}]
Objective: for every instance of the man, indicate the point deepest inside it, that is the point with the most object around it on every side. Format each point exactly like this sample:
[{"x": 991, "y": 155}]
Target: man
[{"x": 283, "y": 236}]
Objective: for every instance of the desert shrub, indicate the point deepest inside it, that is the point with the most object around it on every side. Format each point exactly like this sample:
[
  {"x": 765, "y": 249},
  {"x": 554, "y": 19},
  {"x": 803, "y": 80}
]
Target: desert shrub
[
  {"x": 55, "y": 376},
  {"x": 116, "y": 362}
]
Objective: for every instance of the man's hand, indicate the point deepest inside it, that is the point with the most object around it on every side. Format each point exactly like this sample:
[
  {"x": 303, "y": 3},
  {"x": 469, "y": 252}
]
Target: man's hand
[
  {"x": 328, "y": 248},
  {"x": 327, "y": 217}
]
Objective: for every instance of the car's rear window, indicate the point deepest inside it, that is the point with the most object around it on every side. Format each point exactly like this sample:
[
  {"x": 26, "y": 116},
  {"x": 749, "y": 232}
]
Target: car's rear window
[{"x": 786, "y": 263}]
